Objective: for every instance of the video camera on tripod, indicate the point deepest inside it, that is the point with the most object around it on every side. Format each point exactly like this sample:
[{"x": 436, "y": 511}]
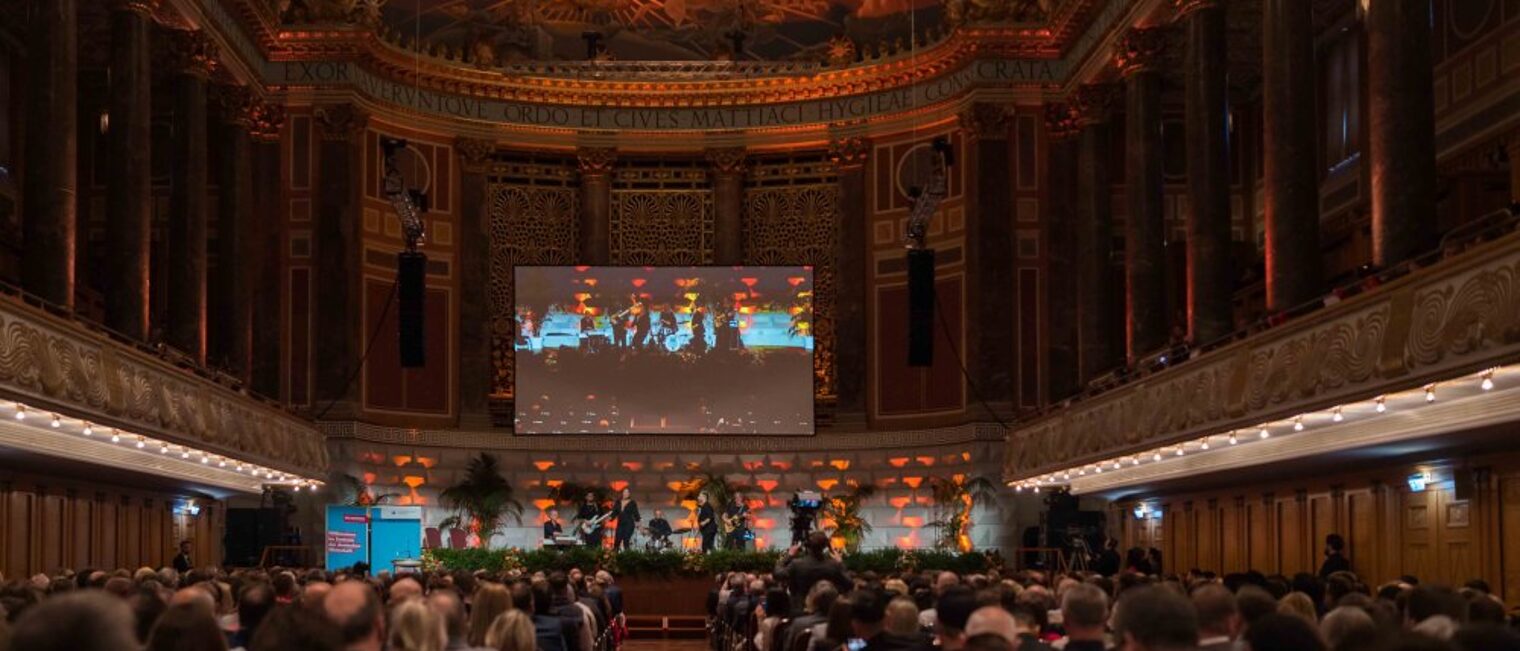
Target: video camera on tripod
[{"x": 804, "y": 506}]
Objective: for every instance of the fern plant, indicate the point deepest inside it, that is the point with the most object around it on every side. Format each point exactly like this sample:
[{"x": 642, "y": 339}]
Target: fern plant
[
  {"x": 954, "y": 498},
  {"x": 482, "y": 500},
  {"x": 850, "y": 525}
]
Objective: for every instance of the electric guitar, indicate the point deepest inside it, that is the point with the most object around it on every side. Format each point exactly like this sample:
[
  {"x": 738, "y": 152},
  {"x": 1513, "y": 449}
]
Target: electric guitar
[
  {"x": 588, "y": 526},
  {"x": 736, "y": 521}
]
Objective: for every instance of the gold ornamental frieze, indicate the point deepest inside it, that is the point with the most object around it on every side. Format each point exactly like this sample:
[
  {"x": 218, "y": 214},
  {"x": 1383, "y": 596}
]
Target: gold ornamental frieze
[{"x": 1457, "y": 316}]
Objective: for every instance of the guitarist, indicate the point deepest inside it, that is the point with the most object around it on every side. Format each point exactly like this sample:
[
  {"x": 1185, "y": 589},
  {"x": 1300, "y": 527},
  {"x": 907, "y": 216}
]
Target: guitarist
[
  {"x": 590, "y": 515},
  {"x": 707, "y": 522},
  {"x": 627, "y": 513},
  {"x": 737, "y": 519}
]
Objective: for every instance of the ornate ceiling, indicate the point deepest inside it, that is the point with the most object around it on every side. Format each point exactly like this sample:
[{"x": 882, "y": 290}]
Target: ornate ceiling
[{"x": 508, "y": 31}]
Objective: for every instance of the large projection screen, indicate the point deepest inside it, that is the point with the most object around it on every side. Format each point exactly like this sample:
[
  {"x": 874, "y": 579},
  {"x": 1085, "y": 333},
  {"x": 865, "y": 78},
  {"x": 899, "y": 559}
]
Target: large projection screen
[{"x": 664, "y": 350}]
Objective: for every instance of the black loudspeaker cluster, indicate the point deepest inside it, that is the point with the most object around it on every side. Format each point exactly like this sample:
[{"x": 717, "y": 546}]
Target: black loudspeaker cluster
[
  {"x": 920, "y": 307},
  {"x": 411, "y": 270}
]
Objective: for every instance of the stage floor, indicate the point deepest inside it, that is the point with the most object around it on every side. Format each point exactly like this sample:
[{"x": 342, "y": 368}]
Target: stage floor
[{"x": 665, "y": 645}]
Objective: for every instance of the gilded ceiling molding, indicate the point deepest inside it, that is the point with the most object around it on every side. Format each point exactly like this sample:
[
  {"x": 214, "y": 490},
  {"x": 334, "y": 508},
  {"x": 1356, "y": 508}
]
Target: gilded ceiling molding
[
  {"x": 1141, "y": 49},
  {"x": 1453, "y": 317},
  {"x": 57, "y": 364},
  {"x": 234, "y": 104},
  {"x": 595, "y": 161},
  {"x": 986, "y": 120},
  {"x": 1095, "y": 102},
  {"x": 1185, "y": 7},
  {"x": 145, "y": 7},
  {"x": 849, "y": 152}
]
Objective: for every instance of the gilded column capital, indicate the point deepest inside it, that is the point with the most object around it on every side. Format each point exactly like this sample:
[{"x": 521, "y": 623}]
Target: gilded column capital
[
  {"x": 1061, "y": 121},
  {"x": 1094, "y": 103},
  {"x": 192, "y": 52},
  {"x": 234, "y": 104},
  {"x": 985, "y": 121},
  {"x": 728, "y": 161},
  {"x": 595, "y": 161},
  {"x": 849, "y": 152},
  {"x": 475, "y": 152},
  {"x": 341, "y": 121},
  {"x": 1141, "y": 49}
]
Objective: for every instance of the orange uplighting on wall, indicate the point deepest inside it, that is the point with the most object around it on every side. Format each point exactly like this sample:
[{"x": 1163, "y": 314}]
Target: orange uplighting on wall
[
  {"x": 690, "y": 543},
  {"x": 675, "y": 486},
  {"x": 618, "y": 485},
  {"x": 900, "y": 502},
  {"x": 543, "y": 465},
  {"x": 925, "y": 461},
  {"x": 753, "y": 465},
  {"x": 633, "y": 466},
  {"x": 767, "y": 485},
  {"x": 765, "y": 524},
  {"x": 841, "y": 464},
  {"x": 401, "y": 460},
  {"x": 781, "y": 465},
  {"x": 413, "y": 481},
  {"x": 914, "y": 521},
  {"x": 965, "y": 456},
  {"x": 554, "y": 483},
  {"x": 898, "y": 462},
  {"x": 543, "y": 504},
  {"x": 827, "y": 484},
  {"x": 913, "y": 482},
  {"x": 427, "y": 462},
  {"x": 369, "y": 478}
]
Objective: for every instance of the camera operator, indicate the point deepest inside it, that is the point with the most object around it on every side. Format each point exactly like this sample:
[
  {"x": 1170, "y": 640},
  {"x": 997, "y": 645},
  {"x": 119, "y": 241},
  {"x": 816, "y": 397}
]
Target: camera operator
[
  {"x": 805, "y": 565},
  {"x": 803, "y": 515}
]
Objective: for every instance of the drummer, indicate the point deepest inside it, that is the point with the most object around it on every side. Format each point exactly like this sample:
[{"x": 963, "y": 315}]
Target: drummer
[{"x": 659, "y": 527}]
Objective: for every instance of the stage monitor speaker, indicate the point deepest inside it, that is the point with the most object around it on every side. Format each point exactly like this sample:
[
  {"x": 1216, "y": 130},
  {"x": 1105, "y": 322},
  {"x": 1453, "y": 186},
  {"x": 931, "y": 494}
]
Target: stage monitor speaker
[
  {"x": 411, "y": 270},
  {"x": 920, "y": 307}
]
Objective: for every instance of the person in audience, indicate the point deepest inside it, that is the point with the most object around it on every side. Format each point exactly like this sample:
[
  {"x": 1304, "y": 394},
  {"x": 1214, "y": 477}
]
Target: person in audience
[
  {"x": 868, "y": 611},
  {"x": 78, "y": 621},
  {"x": 1283, "y": 632},
  {"x": 1218, "y": 618},
  {"x": 953, "y": 610},
  {"x": 837, "y": 630},
  {"x": 1084, "y": 614},
  {"x": 902, "y": 618},
  {"x": 1335, "y": 559},
  {"x": 776, "y": 608},
  {"x": 512, "y": 630},
  {"x": 404, "y": 588},
  {"x": 1486, "y": 637},
  {"x": 354, "y": 607},
  {"x": 996, "y": 621},
  {"x": 1347, "y": 627},
  {"x": 553, "y": 632},
  {"x": 182, "y": 561},
  {"x": 187, "y": 627},
  {"x": 988, "y": 642},
  {"x": 1300, "y": 604},
  {"x": 448, "y": 605},
  {"x": 1153, "y": 618},
  {"x": 296, "y": 629},
  {"x": 803, "y": 566},
  {"x": 815, "y": 611},
  {"x": 491, "y": 600},
  {"x": 416, "y": 627}
]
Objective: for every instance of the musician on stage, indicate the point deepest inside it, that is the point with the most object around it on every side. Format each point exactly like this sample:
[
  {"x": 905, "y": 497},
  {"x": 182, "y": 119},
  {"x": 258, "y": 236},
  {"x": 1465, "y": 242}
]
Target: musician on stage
[
  {"x": 668, "y": 327},
  {"x": 659, "y": 527},
  {"x": 707, "y": 522},
  {"x": 640, "y": 316},
  {"x": 737, "y": 518},
  {"x": 589, "y": 511},
  {"x": 627, "y": 514},
  {"x": 552, "y": 527}
]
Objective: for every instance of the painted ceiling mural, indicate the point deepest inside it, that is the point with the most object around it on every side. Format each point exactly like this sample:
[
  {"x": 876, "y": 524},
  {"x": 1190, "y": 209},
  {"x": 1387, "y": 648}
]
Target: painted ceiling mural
[{"x": 507, "y": 31}]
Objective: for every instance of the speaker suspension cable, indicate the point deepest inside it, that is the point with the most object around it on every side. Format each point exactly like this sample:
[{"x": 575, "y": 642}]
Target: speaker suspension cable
[
  {"x": 939, "y": 312},
  {"x": 368, "y": 347}
]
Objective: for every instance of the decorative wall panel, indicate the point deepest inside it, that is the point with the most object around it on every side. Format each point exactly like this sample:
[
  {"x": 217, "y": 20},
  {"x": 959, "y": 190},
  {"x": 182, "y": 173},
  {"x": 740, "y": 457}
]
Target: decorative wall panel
[
  {"x": 662, "y": 214},
  {"x": 534, "y": 218},
  {"x": 791, "y": 218}
]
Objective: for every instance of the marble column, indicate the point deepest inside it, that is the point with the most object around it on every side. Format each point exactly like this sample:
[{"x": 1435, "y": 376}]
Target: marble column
[
  {"x": 1093, "y": 233},
  {"x": 596, "y": 203},
  {"x": 238, "y": 259},
  {"x": 1062, "y": 287},
  {"x": 188, "y": 200},
  {"x": 475, "y": 281},
  {"x": 1210, "y": 281},
  {"x": 1145, "y": 300},
  {"x": 728, "y": 168},
  {"x": 269, "y": 238},
  {"x": 849, "y": 155},
  {"x": 1290, "y": 183},
  {"x": 1401, "y": 129},
  {"x": 129, "y": 187},
  {"x": 50, "y": 181},
  {"x": 337, "y": 320},
  {"x": 989, "y": 254}
]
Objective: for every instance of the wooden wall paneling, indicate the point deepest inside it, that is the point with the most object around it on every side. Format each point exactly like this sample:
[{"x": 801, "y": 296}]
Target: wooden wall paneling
[
  {"x": 79, "y": 538},
  {"x": 1418, "y": 534},
  {"x": 1490, "y": 561},
  {"x": 1361, "y": 531},
  {"x": 1263, "y": 553},
  {"x": 1390, "y": 548},
  {"x": 1290, "y": 533},
  {"x": 1235, "y": 542},
  {"x": 129, "y": 523},
  {"x": 1321, "y": 519},
  {"x": 1209, "y": 557},
  {"x": 1509, "y": 535},
  {"x": 18, "y": 527},
  {"x": 1458, "y": 533},
  {"x": 104, "y": 539}
]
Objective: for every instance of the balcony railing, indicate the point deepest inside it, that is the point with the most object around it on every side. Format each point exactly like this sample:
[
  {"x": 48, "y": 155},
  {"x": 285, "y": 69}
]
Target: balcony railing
[
  {"x": 51, "y": 361},
  {"x": 1437, "y": 320}
]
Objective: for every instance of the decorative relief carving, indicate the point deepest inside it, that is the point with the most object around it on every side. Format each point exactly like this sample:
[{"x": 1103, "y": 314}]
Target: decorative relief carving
[
  {"x": 1061, "y": 121},
  {"x": 731, "y": 161},
  {"x": 534, "y": 216},
  {"x": 191, "y": 51},
  {"x": 595, "y": 160},
  {"x": 1094, "y": 103},
  {"x": 790, "y": 218},
  {"x": 234, "y": 103},
  {"x": 849, "y": 152},
  {"x": 662, "y": 214},
  {"x": 1457, "y": 315},
  {"x": 52, "y": 360},
  {"x": 265, "y": 121},
  {"x": 475, "y": 152},
  {"x": 986, "y": 121},
  {"x": 341, "y": 121}
]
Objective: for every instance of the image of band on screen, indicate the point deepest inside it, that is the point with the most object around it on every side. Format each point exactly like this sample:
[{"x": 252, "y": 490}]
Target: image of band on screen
[
  {"x": 590, "y": 524},
  {"x": 682, "y": 350}
]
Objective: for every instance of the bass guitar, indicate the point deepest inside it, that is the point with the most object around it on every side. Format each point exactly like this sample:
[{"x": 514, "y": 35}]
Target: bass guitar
[{"x": 588, "y": 526}]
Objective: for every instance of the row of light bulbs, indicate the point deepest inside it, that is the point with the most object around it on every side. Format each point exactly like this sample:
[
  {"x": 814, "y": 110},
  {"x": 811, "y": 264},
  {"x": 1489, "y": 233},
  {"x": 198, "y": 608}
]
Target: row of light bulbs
[
  {"x": 1380, "y": 405},
  {"x": 87, "y": 429}
]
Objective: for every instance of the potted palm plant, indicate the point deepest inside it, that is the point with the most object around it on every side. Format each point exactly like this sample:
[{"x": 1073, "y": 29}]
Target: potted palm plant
[
  {"x": 850, "y": 525},
  {"x": 954, "y": 497},
  {"x": 482, "y": 500}
]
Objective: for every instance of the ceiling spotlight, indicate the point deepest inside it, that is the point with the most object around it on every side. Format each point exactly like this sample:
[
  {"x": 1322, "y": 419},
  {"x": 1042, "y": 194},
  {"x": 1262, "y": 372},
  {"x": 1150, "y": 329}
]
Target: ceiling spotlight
[
  {"x": 1430, "y": 393},
  {"x": 20, "y": 411},
  {"x": 115, "y": 436},
  {"x": 184, "y": 454},
  {"x": 1336, "y": 415},
  {"x": 1135, "y": 461},
  {"x": 1382, "y": 405},
  {"x": 56, "y": 422},
  {"x": 1233, "y": 441},
  {"x": 204, "y": 458},
  {"x": 1116, "y": 464},
  {"x": 89, "y": 430},
  {"x": 163, "y": 448},
  {"x": 240, "y": 467},
  {"x": 1067, "y": 475},
  {"x": 1098, "y": 469},
  {"x": 1298, "y": 424},
  {"x": 1265, "y": 433},
  {"x": 221, "y": 463},
  {"x": 1019, "y": 488},
  {"x": 1179, "y": 451},
  {"x": 1204, "y": 445},
  {"x": 1488, "y": 381},
  {"x": 1036, "y": 490},
  {"x": 1157, "y": 456},
  {"x": 140, "y": 443}
]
